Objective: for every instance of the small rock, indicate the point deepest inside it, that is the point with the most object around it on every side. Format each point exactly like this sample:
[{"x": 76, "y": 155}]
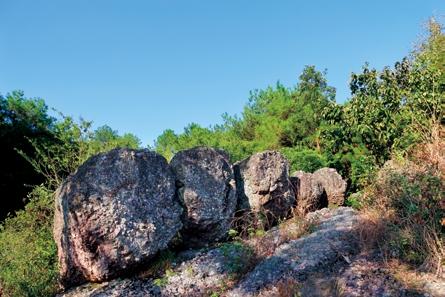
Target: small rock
[
  {"x": 310, "y": 194},
  {"x": 333, "y": 184}
]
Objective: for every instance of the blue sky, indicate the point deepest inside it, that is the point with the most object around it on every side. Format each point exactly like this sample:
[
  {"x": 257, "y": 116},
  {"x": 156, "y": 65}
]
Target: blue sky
[{"x": 145, "y": 66}]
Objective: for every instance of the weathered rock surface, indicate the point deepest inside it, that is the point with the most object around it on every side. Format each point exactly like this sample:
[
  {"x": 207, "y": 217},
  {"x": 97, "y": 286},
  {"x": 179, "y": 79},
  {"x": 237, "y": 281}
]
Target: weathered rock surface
[
  {"x": 206, "y": 188},
  {"x": 298, "y": 259},
  {"x": 333, "y": 184},
  {"x": 131, "y": 287},
  {"x": 263, "y": 184},
  {"x": 213, "y": 271},
  {"x": 205, "y": 273},
  {"x": 310, "y": 194},
  {"x": 114, "y": 213}
]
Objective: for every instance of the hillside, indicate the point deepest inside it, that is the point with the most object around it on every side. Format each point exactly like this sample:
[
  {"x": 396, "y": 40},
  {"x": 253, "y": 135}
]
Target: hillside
[{"x": 296, "y": 196}]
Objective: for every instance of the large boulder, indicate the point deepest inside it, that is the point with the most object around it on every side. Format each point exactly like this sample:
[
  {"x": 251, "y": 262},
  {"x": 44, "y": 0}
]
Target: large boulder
[
  {"x": 113, "y": 214},
  {"x": 333, "y": 184},
  {"x": 206, "y": 188},
  {"x": 234, "y": 269},
  {"x": 263, "y": 184},
  {"x": 310, "y": 194}
]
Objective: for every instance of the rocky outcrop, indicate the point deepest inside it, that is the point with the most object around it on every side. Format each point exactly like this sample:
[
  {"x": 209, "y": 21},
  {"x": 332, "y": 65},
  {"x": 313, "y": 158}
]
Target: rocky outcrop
[
  {"x": 122, "y": 207},
  {"x": 310, "y": 194},
  {"x": 119, "y": 209},
  {"x": 296, "y": 260},
  {"x": 200, "y": 274},
  {"x": 206, "y": 188},
  {"x": 233, "y": 270},
  {"x": 263, "y": 184},
  {"x": 333, "y": 184},
  {"x": 113, "y": 214}
]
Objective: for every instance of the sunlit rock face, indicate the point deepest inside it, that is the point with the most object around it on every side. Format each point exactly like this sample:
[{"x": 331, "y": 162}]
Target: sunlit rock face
[
  {"x": 333, "y": 184},
  {"x": 113, "y": 214},
  {"x": 206, "y": 188},
  {"x": 205, "y": 271},
  {"x": 310, "y": 193},
  {"x": 263, "y": 184}
]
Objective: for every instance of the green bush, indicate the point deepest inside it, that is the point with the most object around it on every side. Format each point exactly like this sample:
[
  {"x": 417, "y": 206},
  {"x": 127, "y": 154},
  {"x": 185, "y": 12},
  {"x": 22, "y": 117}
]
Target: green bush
[
  {"x": 410, "y": 197},
  {"x": 417, "y": 225},
  {"x": 356, "y": 164},
  {"x": 304, "y": 159},
  {"x": 28, "y": 264}
]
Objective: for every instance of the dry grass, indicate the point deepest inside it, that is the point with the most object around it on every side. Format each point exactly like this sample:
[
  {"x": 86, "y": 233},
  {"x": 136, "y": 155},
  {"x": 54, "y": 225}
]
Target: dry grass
[
  {"x": 405, "y": 207},
  {"x": 371, "y": 229},
  {"x": 247, "y": 222},
  {"x": 265, "y": 244},
  {"x": 432, "y": 151},
  {"x": 287, "y": 287},
  {"x": 405, "y": 275}
]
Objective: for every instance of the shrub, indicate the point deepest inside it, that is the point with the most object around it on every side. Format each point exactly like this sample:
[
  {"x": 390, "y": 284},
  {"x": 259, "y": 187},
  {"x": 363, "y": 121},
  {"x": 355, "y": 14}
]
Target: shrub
[
  {"x": 354, "y": 163},
  {"x": 28, "y": 264},
  {"x": 409, "y": 195},
  {"x": 304, "y": 159}
]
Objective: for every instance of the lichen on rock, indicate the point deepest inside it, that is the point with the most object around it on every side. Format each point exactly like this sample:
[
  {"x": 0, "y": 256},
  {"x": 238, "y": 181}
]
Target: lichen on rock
[{"x": 113, "y": 214}]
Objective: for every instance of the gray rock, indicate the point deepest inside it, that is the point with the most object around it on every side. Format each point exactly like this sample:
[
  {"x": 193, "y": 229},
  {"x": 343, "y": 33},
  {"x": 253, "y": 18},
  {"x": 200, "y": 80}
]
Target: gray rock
[
  {"x": 205, "y": 273},
  {"x": 310, "y": 194},
  {"x": 263, "y": 184},
  {"x": 333, "y": 184},
  {"x": 298, "y": 259},
  {"x": 206, "y": 188},
  {"x": 368, "y": 276},
  {"x": 217, "y": 270},
  {"x": 132, "y": 287},
  {"x": 113, "y": 214}
]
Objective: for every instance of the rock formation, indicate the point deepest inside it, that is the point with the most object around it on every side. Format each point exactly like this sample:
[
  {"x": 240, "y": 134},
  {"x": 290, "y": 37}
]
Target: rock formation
[
  {"x": 310, "y": 194},
  {"x": 113, "y": 214},
  {"x": 263, "y": 184},
  {"x": 296, "y": 260},
  {"x": 333, "y": 184},
  {"x": 206, "y": 188},
  {"x": 212, "y": 271},
  {"x": 119, "y": 209}
]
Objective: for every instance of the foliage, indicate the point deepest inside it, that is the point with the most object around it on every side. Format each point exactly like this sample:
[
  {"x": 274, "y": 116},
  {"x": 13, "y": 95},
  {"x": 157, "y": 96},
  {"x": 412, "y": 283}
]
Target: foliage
[
  {"x": 432, "y": 50},
  {"x": 274, "y": 118},
  {"x": 307, "y": 160},
  {"x": 20, "y": 119},
  {"x": 26, "y": 129},
  {"x": 389, "y": 111},
  {"x": 73, "y": 144},
  {"x": 411, "y": 199},
  {"x": 27, "y": 250},
  {"x": 389, "y": 114},
  {"x": 238, "y": 257}
]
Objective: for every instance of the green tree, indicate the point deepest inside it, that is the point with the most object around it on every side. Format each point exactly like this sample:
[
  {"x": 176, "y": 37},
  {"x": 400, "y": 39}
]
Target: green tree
[
  {"x": 389, "y": 112},
  {"x": 273, "y": 118},
  {"x": 20, "y": 119}
]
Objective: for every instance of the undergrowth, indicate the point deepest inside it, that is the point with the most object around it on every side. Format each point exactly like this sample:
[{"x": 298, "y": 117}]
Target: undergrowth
[
  {"x": 405, "y": 208},
  {"x": 28, "y": 264}
]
